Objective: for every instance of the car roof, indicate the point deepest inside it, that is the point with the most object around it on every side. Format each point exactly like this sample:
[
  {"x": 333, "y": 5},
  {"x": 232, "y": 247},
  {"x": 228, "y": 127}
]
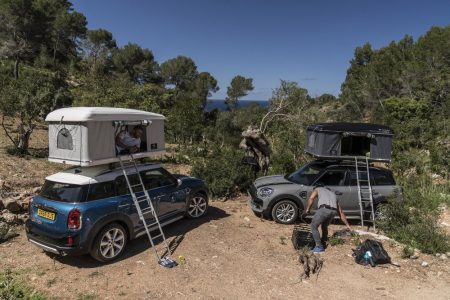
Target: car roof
[
  {"x": 342, "y": 164},
  {"x": 95, "y": 174}
]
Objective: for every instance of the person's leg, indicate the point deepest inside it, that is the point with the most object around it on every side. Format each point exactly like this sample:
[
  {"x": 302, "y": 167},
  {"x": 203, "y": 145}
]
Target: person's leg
[
  {"x": 325, "y": 223},
  {"x": 317, "y": 219}
]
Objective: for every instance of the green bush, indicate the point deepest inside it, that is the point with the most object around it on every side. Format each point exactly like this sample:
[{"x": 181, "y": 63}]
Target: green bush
[
  {"x": 414, "y": 219},
  {"x": 12, "y": 289},
  {"x": 223, "y": 171}
]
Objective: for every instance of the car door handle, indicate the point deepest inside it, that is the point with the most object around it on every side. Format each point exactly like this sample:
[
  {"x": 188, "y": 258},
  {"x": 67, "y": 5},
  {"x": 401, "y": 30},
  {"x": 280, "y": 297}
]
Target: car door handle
[{"x": 338, "y": 193}]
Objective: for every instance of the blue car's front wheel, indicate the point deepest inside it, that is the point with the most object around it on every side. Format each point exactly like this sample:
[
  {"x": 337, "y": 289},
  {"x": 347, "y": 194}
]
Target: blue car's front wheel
[{"x": 197, "y": 206}]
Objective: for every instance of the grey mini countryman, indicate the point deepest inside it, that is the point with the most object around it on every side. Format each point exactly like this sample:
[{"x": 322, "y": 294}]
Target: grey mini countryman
[{"x": 284, "y": 197}]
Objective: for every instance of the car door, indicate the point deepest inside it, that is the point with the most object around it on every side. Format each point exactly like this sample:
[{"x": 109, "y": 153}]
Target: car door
[
  {"x": 356, "y": 210},
  {"x": 336, "y": 181},
  {"x": 163, "y": 187},
  {"x": 126, "y": 204}
]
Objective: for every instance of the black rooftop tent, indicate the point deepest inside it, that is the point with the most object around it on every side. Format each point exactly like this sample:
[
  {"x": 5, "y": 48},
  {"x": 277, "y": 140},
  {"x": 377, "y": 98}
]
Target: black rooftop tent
[{"x": 347, "y": 140}]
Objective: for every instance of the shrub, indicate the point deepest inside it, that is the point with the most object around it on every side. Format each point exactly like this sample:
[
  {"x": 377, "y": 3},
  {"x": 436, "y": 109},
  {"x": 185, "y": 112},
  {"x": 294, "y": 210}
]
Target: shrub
[
  {"x": 223, "y": 171},
  {"x": 414, "y": 220},
  {"x": 11, "y": 288}
]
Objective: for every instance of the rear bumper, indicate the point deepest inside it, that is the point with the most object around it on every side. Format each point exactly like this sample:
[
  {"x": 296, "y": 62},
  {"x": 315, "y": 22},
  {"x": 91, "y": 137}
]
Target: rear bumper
[{"x": 54, "y": 246}]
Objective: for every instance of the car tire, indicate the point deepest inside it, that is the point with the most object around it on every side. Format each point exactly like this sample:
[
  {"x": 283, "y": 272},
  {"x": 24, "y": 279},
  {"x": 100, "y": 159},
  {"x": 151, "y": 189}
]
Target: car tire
[
  {"x": 379, "y": 212},
  {"x": 110, "y": 243},
  {"x": 197, "y": 206},
  {"x": 285, "y": 212}
]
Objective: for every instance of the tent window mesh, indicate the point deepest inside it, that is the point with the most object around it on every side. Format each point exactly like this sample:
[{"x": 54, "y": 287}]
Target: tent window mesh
[{"x": 64, "y": 140}]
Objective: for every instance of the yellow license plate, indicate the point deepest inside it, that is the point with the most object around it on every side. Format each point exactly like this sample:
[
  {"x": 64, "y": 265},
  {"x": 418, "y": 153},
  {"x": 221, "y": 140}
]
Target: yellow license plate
[{"x": 46, "y": 214}]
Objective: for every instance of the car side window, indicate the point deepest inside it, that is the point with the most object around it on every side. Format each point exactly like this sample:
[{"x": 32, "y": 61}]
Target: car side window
[
  {"x": 382, "y": 177},
  {"x": 157, "y": 178},
  {"x": 101, "y": 190},
  {"x": 362, "y": 176},
  {"x": 333, "y": 178},
  {"x": 121, "y": 184}
]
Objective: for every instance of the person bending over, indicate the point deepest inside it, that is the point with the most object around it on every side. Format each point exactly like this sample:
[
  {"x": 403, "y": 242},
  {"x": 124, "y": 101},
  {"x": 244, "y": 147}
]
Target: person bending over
[
  {"x": 327, "y": 208},
  {"x": 129, "y": 142}
]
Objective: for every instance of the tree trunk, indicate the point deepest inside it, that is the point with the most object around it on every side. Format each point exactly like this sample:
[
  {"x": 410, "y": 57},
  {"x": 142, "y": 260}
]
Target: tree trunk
[
  {"x": 24, "y": 141},
  {"x": 16, "y": 69}
]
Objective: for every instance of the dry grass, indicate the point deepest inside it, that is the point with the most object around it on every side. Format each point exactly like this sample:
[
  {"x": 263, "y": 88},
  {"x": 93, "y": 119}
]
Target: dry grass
[{"x": 24, "y": 173}]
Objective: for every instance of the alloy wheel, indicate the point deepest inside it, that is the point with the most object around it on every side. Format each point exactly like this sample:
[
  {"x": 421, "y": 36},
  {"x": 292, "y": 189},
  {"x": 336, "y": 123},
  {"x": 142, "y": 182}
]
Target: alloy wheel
[{"x": 112, "y": 243}]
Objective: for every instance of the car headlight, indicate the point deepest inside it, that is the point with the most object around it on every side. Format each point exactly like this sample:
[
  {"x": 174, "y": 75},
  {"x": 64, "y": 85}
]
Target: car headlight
[{"x": 265, "y": 192}]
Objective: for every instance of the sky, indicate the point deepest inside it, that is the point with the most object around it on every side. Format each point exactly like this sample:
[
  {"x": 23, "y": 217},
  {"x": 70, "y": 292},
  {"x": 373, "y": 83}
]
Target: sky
[{"x": 309, "y": 42}]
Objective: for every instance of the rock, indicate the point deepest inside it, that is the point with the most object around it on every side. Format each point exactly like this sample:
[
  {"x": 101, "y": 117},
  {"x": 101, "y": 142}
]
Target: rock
[
  {"x": 443, "y": 257},
  {"x": 424, "y": 264},
  {"x": 448, "y": 254},
  {"x": 247, "y": 219},
  {"x": 4, "y": 229},
  {"x": 36, "y": 190},
  {"x": 438, "y": 254},
  {"x": 12, "y": 205},
  {"x": 9, "y": 217}
]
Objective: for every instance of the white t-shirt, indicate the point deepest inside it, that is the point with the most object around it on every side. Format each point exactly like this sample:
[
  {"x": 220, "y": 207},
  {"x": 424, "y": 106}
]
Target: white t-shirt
[
  {"x": 128, "y": 140},
  {"x": 326, "y": 197}
]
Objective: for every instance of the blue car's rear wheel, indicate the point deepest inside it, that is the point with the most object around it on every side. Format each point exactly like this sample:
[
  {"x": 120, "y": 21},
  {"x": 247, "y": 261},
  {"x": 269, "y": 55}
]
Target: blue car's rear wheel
[{"x": 110, "y": 243}]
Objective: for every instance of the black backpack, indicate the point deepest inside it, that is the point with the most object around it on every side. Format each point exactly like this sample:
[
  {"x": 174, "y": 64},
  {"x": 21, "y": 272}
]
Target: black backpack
[{"x": 378, "y": 256}]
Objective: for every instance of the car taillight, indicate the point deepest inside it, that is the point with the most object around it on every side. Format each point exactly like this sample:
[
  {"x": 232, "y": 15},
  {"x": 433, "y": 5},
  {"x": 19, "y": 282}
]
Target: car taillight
[{"x": 74, "y": 219}]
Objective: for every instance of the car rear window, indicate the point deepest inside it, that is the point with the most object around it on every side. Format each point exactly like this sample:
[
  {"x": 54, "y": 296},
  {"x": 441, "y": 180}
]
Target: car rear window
[
  {"x": 63, "y": 192},
  {"x": 382, "y": 177}
]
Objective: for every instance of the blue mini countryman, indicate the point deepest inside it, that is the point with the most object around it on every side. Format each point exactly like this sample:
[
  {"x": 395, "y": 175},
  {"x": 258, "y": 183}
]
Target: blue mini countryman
[{"x": 90, "y": 209}]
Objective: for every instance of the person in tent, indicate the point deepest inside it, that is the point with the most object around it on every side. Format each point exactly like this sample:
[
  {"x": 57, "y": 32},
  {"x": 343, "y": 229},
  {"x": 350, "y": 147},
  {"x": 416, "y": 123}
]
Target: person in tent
[{"x": 129, "y": 142}]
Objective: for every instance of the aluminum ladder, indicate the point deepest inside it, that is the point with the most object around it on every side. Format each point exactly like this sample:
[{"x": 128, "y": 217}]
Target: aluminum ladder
[
  {"x": 365, "y": 195},
  {"x": 144, "y": 207}
]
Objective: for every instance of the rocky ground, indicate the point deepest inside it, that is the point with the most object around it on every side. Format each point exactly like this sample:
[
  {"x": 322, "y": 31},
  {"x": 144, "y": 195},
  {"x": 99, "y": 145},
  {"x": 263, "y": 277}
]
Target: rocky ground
[{"x": 228, "y": 254}]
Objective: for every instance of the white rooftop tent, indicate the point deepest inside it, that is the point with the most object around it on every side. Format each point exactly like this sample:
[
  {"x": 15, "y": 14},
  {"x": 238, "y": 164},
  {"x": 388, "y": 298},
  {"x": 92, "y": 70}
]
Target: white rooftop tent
[{"x": 85, "y": 136}]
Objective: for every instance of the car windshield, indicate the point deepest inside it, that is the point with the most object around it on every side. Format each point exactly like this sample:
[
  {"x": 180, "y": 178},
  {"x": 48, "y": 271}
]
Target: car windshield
[
  {"x": 63, "y": 192},
  {"x": 305, "y": 175}
]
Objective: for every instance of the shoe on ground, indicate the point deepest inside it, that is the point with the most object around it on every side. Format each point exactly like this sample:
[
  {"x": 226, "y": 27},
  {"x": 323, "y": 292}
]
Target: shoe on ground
[{"x": 318, "y": 249}]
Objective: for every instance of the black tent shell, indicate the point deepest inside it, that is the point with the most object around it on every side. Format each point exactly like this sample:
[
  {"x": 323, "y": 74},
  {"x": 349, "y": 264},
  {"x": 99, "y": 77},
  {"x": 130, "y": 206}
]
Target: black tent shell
[{"x": 349, "y": 140}]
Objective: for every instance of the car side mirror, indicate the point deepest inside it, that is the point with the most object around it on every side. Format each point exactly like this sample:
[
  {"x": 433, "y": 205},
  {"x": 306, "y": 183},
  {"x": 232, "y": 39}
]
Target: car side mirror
[{"x": 179, "y": 182}]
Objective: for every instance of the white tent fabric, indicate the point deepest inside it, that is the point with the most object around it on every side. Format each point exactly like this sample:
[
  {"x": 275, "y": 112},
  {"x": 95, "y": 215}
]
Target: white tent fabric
[{"x": 85, "y": 136}]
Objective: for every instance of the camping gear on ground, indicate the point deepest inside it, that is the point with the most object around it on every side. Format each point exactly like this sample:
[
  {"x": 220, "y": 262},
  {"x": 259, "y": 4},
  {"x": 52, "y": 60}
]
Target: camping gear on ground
[
  {"x": 144, "y": 207},
  {"x": 302, "y": 236},
  {"x": 86, "y": 136},
  {"x": 347, "y": 140},
  {"x": 371, "y": 252}
]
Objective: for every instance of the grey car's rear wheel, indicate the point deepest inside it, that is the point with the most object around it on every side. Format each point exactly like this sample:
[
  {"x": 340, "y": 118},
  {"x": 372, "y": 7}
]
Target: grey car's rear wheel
[
  {"x": 197, "y": 206},
  {"x": 110, "y": 243},
  {"x": 285, "y": 212}
]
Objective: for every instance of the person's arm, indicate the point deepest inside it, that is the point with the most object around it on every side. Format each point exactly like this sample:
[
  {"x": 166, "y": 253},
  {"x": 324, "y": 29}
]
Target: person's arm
[
  {"x": 119, "y": 143},
  {"x": 343, "y": 217},
  {"x": 311, "y": 201}
]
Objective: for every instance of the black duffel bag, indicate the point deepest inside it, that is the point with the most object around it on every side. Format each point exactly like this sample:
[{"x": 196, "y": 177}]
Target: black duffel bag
[{"x": 371, "y": 252}]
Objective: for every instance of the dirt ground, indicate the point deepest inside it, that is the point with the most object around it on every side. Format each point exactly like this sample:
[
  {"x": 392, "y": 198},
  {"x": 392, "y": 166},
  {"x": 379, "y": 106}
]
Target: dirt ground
[{"x": 231, "y": 253}]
